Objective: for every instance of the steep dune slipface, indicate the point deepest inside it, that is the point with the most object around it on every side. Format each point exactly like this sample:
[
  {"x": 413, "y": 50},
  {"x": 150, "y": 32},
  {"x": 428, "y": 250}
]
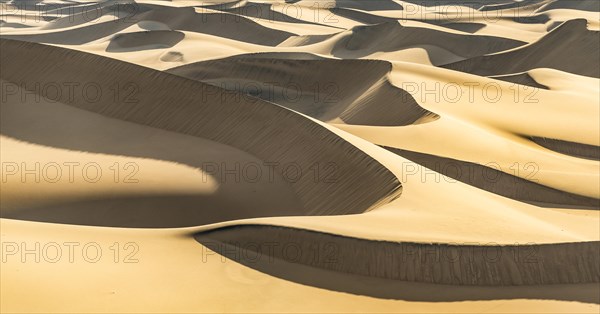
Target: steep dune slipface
[
  {"x": 82, "y": 24},
  {"x": 527, "y": 4},
  {"x": 176, "y": 104},
  {"x": 217, "y": 24},
  {"x": 583, "y": 5},
  {"x": 361, "y": 16},
  {"x": 144, "y": 40},
  {"x": 323, "y": 89},
  {"x": 257, "y": 10},
  {"x": 100, "y": 171},
  {"x": 70, "y": 15},
  {"x": 571, "y": 47},
  {"x": 493, "y": 180},
  {"x": 570, "y": 148},
  {"x": 385, "y": 37},
  {"x": 490, "y": 265},
  {"x": 300, "y": 156},
  {"x": 469, "y": 4},
  {"x": 520, "y": 78},
  {"x": 199, "y": 20}
]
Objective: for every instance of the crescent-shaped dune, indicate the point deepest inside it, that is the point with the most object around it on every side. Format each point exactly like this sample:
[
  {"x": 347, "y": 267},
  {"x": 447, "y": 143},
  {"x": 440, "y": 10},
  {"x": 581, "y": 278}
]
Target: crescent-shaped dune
[
  {"x": 196, "y": 111},
  {"x": 411, "y": 262},
  {"x": 493, "y": 180},
  {"x": 298, "y": 156},
  {"x": 323, "y": 89}
]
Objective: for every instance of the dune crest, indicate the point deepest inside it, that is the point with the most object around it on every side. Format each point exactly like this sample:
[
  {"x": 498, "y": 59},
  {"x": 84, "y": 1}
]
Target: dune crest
[
  {"x": 300, "y": 156},
  {"x": 195, "y": 112}
]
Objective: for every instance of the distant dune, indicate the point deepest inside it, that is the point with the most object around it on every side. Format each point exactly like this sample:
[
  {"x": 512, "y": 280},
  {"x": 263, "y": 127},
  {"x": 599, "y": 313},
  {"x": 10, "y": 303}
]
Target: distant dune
[
  {"x": 298, "y": 156},
  {"x": 323, "y": 89},
  {"x": 570, "y": 47}
]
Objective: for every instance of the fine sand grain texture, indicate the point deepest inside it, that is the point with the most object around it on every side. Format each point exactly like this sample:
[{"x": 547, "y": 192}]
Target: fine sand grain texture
[{"x": 335, "y": 156}]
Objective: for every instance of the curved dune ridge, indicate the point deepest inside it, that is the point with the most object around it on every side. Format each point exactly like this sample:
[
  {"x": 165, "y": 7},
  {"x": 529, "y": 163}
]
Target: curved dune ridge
[
  {"x": 69, "y": 16},
  {"x": 257, "y": 10},
  {"x": 520, "y": 78},
  {"x": 144, "y": 40},
  {"x": 570, "y": 47},
  {"x": 391, "y": 36},
  {"x": 204, "y": 21},
  {"x": 570, "y": 148},
  {"x": 361, "y": 16},
  {"x": 583, "y": 5},
  {"x": 513, "y": 5},
  {"x": 413, "y": 262},
  {"x": 323, "y": 89},
  {"x": 194, "y": 108},
  {"x": 93, "y": 27},
  {"x": 495, "y": 181},
  {"x": 300, "y": 156}
]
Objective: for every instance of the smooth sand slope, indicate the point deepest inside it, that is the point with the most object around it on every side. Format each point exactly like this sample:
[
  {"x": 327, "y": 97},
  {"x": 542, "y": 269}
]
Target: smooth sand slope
[{"x": 290, "y": 156}]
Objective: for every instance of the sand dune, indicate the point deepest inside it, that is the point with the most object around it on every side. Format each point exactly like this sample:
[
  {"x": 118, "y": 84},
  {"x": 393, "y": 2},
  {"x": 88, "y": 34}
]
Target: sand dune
[
  {"x": 520, "y": 78},
  {"x": 88, "y": 68},
  {"x": 490, "y": 179},
  {"x": 181, "y": 18},
  {"x": 365, "y": 40},
  {"x": 585, "y": 5},
  {"x": 341, "y": 156},
  {"x": 570, "y": 148},
  {"x": 571, "y": 47},
  {"x": 323, "y": 89},
  {"x": 144, "y": 40},
  {"x": 414, "y": 262}
]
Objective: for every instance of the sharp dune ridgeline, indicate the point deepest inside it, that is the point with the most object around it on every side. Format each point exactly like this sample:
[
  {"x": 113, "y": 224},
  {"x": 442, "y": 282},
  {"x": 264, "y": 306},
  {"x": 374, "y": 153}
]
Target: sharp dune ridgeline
[
  {"x": 336, "y": 156},
  {"x": 329, "y": 90},
  {"x": 570, "y": 47},
  {"x": 414, "y": 262},
  {"x": 185, "y": 109}
]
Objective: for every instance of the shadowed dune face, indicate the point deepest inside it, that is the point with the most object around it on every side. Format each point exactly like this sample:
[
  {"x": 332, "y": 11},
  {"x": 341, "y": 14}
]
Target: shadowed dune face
[
  {"x": 206, "y": 198},
  {"x": 464, "y": 27},
  {"x": 68, "y": 15},
  {"x": 408, "y": 262},
  {"x": 498, "y": 182},
  {"x": 223, "y": 25},
  {"x": 391, "y": 36},
  {"x": 258, "y": 10},
  {"x": 520, "y": 78},
  {"x": 196, "y": 112},
  {"x": 144, "y": 40},
  {"x": 335, "y": 156},
  {"x": 121, "y": 17},
  {"x": 583, "y": 5},
  {"x": 571, "y": 47},
  {"x": 513, "y": 5},
  {"x": 469, "y": 4},
  {"x": 362, "y": 17},
  {"x": 569, "y": 148},
  {"x": 323, "y": 89},
  {"x": 365, "y": 6},
  {"x": 230, "y": 26}
]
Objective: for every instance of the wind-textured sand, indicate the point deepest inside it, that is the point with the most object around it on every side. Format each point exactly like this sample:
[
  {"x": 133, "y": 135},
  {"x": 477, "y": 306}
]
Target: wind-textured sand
[{"x": 332, "y": 156}]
